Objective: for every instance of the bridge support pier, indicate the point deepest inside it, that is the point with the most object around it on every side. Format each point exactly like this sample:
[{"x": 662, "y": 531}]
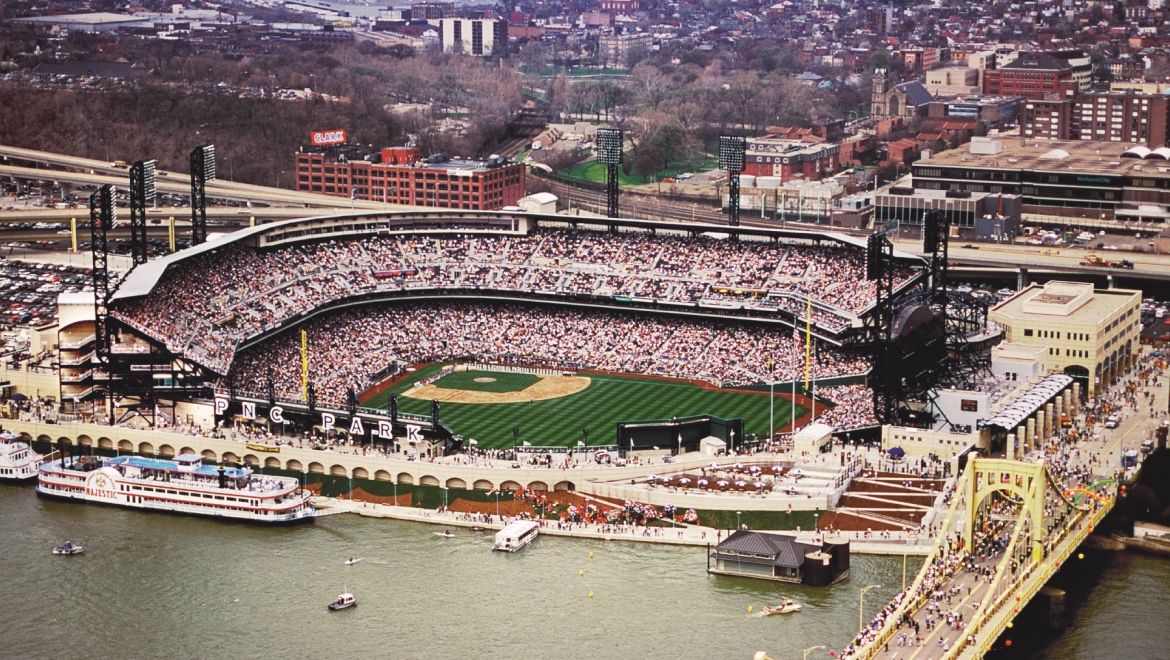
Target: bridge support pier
[
  {"x": 1058, "y": 410},
  {"x": 1076, "y": 397},
  {"x": 1021, "y": 279},
  {"x": 1052, "y": 600},
  {"x": 1049, "y": 420},
  {"x": 1029, "y": 435},
  {"x": 1009, "y": 448}
]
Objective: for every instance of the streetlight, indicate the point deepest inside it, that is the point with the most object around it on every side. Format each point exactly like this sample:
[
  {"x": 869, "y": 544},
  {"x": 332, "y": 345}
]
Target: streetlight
[
  {"x": 812, "y": 648},
  {"x": 861, "y": 608},
  {"x": 278, "y": 177},
  {"x": 737, "y": 525}
]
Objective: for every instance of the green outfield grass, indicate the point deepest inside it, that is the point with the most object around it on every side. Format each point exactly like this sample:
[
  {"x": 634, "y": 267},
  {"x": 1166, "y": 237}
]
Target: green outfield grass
[
  {"x": 465, "y": 380},
  {"x": 609, "y": 399}
]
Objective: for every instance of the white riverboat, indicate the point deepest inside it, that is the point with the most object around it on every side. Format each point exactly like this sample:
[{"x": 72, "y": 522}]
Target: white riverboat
[
  {"x": 516, "y": 535},
  {"x": 18, "y": 462},
  {"x": 180, "y": 485}
]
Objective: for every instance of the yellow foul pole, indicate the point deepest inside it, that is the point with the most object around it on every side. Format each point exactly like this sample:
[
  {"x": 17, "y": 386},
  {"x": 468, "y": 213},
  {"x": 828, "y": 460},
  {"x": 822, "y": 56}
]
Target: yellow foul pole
[
  {"x": 305, "y": 365},
  {"x": 73, "y": 233},
  {"x": 808, "y": 342}
]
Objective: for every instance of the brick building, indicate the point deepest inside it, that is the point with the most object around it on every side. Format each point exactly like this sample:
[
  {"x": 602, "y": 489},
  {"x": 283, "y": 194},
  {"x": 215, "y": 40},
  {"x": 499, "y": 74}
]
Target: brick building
[
  {"x": 789, "y": 158},
  {"x": 400, "y": 176},
  {"x": 1107, "y": 117},
  {"x": 1033, "y": 75}
]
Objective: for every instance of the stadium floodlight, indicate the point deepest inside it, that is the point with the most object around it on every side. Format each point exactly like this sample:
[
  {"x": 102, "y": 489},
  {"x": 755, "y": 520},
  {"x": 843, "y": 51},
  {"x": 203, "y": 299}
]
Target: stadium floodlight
[
  {"x": 874, "y": 247},
  {"x": 609, "y": 146},
  {"x": 731, "y": 153},
  {"x": 208, "y": 162},
  {"x": 149, "y": 181}
]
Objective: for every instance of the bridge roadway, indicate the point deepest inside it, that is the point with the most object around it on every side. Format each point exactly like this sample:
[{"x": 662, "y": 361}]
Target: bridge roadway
[{"x": 989, "y": 603}]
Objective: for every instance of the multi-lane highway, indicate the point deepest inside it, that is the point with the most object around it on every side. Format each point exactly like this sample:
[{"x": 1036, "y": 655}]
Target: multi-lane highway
[{"x": 86, "y": 171}]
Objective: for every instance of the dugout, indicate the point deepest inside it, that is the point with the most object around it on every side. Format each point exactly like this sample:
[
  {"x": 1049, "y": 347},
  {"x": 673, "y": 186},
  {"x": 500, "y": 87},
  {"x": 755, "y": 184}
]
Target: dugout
[{"x": 678, "y": 434}]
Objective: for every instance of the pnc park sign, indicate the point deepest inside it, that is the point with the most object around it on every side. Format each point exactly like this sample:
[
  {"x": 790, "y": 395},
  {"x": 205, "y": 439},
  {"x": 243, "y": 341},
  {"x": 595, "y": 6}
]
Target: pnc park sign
[{"x": 357, "y": 426}]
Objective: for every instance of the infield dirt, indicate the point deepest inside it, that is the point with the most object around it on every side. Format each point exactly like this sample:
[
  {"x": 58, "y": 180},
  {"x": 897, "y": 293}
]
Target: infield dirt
[{"x": 548, "y": 387}]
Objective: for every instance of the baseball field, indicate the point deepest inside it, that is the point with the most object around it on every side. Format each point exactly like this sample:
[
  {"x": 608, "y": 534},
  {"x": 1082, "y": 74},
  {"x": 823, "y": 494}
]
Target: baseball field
[{"x": 552, "y": 410}]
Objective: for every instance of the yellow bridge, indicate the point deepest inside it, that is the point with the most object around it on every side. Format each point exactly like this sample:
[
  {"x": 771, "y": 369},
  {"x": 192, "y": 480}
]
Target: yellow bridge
[{"x": 1020, "y": 525}]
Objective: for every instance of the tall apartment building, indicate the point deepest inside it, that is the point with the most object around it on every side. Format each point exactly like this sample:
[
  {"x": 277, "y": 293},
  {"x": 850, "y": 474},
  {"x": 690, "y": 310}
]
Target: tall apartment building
[
  {"x": 615, "y": 49},
  {"x": 1106, "y": 117},
  {"x": 401, "y": 176},
  {"x": 481, "y": 37}
]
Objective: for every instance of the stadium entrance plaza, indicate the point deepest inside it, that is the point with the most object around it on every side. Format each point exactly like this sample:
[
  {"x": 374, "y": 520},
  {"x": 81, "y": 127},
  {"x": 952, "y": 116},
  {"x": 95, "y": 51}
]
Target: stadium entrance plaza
[{"x": 1100, "y": 449}]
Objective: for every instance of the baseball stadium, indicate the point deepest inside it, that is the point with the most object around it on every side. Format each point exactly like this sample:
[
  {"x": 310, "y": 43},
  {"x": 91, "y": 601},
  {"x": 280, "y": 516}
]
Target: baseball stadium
[{"x": 491, "y": 330}]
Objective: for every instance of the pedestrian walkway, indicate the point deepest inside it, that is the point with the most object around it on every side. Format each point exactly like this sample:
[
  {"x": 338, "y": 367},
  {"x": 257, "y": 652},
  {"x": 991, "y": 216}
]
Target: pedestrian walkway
[{"x": 684, "y": 535}]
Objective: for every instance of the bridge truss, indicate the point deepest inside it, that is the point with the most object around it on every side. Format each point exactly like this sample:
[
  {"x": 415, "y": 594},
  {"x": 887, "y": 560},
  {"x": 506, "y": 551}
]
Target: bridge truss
[{"x": 1025, "y": 504}]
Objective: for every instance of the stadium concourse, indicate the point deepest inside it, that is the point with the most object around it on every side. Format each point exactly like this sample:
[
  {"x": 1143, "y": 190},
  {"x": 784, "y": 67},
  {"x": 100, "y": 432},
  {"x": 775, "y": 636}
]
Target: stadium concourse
[{"x": 209, "y": 301}]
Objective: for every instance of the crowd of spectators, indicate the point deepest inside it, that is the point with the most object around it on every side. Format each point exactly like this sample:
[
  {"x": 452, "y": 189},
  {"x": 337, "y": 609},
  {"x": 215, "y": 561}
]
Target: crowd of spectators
[
  {"x": 346, "y": 348},
  {"x": 854, "y": 407},
  {"x": 205, "y": 305}
]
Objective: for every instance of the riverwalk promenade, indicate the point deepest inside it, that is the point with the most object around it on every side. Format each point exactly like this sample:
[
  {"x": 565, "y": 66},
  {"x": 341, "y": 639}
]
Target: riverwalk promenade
[{"x": 898, "y": 543}]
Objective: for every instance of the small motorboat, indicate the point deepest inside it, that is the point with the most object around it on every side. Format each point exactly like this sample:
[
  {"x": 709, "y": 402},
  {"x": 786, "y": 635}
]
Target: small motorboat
[
  {"x": 344, "y": 601},
  {"x": 477, "y": 528},
  {"x": 446, "y": 533},
  {"x": 351, "y": 561},
  {"x": 787, "y": 606},
  {"x": 68, "y": 548}
]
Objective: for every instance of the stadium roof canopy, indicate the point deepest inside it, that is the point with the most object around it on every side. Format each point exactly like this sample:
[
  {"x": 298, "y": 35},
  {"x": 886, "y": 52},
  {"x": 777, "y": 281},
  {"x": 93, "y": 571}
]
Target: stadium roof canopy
[{"x": 1029, "y": 402}]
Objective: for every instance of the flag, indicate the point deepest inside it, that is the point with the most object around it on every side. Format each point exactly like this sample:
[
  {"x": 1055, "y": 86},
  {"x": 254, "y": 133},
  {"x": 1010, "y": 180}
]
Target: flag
[
  {"x": 527, "y": 444},
  {"x": 580, "y": 444},
  {"x": 473, "y": 442}
]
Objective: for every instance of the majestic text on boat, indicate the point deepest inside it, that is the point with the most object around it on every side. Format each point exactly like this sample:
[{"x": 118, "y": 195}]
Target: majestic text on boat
[
  {"x": 516, "y": 535},
  {"x": 181, "y": 485},
  {"x": 17, "y": 461}
]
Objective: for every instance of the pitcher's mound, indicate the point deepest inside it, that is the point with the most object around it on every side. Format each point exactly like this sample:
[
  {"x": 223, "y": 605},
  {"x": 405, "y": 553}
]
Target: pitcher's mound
[
  {"x": 485, "y": 380},
  {"x": 548, "y": 387}
]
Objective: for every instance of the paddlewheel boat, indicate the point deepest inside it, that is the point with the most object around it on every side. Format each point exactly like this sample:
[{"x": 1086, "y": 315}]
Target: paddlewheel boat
[
  {"x": 180, "y": 485},
  {"x": 18, "y": 462}
]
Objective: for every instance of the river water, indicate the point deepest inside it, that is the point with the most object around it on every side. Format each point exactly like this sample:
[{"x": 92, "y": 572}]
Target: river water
[{"x": 153, "y": 584}]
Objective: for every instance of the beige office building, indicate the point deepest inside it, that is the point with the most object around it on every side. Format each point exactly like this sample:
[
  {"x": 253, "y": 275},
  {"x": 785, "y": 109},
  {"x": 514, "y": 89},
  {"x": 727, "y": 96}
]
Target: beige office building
[{"x": 1092, "y": 335}]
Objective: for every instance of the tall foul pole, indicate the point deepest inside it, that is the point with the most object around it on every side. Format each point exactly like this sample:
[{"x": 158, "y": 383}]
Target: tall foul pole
[{"x": 305, "y": 365}]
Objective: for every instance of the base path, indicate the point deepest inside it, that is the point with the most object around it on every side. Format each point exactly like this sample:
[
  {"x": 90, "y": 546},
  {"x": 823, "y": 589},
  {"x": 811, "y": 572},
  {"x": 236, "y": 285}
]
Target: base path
[{"x": 548, "y": 387}]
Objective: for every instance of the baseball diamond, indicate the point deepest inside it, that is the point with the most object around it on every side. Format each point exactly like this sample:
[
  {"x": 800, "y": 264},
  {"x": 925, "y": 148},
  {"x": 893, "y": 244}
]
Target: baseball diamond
[{"x": 599, "y": 406}]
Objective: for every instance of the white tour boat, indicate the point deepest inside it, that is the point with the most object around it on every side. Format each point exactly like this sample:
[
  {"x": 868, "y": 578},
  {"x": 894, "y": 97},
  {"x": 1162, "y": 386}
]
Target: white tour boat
[
  {"x": 17, "y": 461},
  {"x": 179, "y": 485},
  {"x": 516, "y": 535}
]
